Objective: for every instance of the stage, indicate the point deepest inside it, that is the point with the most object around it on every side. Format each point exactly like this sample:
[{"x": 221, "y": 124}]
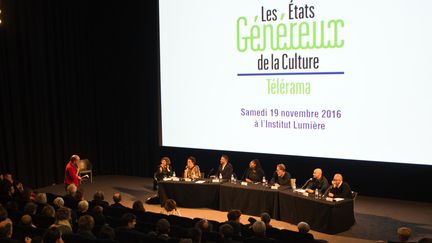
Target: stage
[{"x": 376, "y": 218}]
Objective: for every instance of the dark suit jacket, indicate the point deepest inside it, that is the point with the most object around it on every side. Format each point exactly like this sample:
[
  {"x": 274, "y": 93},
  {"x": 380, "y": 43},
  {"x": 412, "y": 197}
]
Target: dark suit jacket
[{"x": 226, "y": 172}]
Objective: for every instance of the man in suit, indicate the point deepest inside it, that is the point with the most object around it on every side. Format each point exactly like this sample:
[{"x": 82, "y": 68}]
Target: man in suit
[{"x": 225, "y": 168}]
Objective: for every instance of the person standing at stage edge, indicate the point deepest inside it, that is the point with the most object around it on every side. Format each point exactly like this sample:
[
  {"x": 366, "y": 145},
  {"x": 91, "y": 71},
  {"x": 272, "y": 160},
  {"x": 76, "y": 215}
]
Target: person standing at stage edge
[
  {"x": 225, "y": 169},
  {"x": 71, "y": 171}
]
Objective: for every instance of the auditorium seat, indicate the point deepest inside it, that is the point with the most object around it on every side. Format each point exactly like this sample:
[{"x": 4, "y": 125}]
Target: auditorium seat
[
  {"x": 42, "y": 221},
  {"x": 293, "y": 236},
  {"x": 181, "y": 221}
]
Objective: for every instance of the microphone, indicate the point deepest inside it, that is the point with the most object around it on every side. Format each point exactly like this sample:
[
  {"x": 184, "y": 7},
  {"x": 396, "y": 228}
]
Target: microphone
[
  {"x": 327, "y": 191},
  {"x": 211, "y": 171},
  {"x": 306, "y": 183}
]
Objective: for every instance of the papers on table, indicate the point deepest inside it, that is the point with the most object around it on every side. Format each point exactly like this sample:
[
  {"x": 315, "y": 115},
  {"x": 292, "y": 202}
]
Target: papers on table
[
  {"x": 200, "y": 182},
  {"x": 337, "y": 199},
  {"x": 300, "y": 190}
]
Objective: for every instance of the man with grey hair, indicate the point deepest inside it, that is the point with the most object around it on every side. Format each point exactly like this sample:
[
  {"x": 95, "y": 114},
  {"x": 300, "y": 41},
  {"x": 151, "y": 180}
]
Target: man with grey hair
[
  {"x": 259, "y": 229},
  {"x": 281, "y": 177},
  {"x": 58, "y": 202}
]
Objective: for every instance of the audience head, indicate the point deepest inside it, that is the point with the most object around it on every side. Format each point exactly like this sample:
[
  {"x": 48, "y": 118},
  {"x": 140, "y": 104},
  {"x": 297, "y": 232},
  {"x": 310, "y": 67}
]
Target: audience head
[
  {"x": 41, "y": 198},
  {"x": 170, "y": 205},
  {"x": 224, "y": 159},
  {"x": 71, "y": 190},
  {"x": 83, "y": 206},
  {"x": 194, "y": 234},
  {"x": 163, "y": 226},
  {"x": 30, "y": 208},
  {"x": 63, "y": 214},
  {"x": 234, "y": 215},
  {"x": 98, "y": 210},
  {"x": 317, "y": 173},
  {"x": 85, "y": 223},
  {"x": 99, "y": 196},
  {"x": 117, "y": 197},
  {"x": 265, "y": 217},
  {"x": 226, "y": 231},
  {"x": 130, "y": 220},
  {"x": 106, "y": 232},
  {"x": 259, "y": 228},
  {"x": 204, "y": 225},
  {"x": 138, "y": 205},
  {"x": 26, "y": 220},
  {"x": 404, "y": 233},
  {"x": 58, "y": 202},
  {"x": 52, "y": 235},
  {"x": 303, "y": 227},
  {"x": 48, "y": 211}
]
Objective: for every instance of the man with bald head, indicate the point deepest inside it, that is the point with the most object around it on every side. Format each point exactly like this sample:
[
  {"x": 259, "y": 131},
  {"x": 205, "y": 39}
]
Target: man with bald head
[
  {"x": 339, "y": 188},
  {"x": 318, "y": 182}
]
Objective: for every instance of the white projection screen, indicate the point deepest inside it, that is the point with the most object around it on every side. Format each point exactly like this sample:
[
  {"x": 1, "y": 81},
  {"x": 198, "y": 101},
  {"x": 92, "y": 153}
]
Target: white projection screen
[{"x": 331, "y": 79}]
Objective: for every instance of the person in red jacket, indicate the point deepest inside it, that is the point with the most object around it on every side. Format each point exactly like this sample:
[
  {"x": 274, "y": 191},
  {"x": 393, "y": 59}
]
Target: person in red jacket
[{"x": 71, "y": 171}]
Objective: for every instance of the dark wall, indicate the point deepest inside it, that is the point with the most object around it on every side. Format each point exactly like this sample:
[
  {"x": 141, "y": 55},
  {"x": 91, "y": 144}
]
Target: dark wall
[
  {"x": 78, "y": 77},
  {"x": 82, "y": 77}
]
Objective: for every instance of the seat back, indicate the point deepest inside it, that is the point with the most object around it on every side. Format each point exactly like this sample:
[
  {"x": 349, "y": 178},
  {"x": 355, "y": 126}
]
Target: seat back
[{"x": 84, "y": 165}]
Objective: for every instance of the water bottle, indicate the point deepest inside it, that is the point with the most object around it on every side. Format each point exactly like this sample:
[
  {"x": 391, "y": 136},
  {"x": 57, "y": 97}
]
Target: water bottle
[
  {"x": 220, "y": 176},
  {"x": 232, "y": 178},
  {"x": 316, "y": 194},
  {"x": 264, "y": 182},
  {"x": 174, "y": 175}
]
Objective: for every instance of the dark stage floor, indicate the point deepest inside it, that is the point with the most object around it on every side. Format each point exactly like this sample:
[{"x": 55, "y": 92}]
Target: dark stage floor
[{"x": 377, "y": 218}]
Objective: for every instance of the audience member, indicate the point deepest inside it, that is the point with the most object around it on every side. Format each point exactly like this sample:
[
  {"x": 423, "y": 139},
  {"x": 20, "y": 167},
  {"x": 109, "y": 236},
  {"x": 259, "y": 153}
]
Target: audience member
[
  {"x": 26, "y": 220},
  {"x": 58, "y": 202},
  {"x": 303, "y": 227},
  {"x": 98, "y": 215},
  {"x": 106, "y": 232},
  {"x": 265, "y": 217},
  {"x": 99, "y": 200},
  {"x": 170, "y": 208},
  {"x": 204, "y": 225},
  {"x": 82, "y": 209},
  {"x": 234, "y": 220},
  {"x": 52, "y": 235},
  {"x": 138, "y": 206},
  {"x": 85, "y": 227},
  {"x": 163, "y": 229},
  {"x": 404, "y": 233},
  {"x": 48, "y": 211},
  {"x": 117, "y": 198},
  {"x": 63, "y": 220}
]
